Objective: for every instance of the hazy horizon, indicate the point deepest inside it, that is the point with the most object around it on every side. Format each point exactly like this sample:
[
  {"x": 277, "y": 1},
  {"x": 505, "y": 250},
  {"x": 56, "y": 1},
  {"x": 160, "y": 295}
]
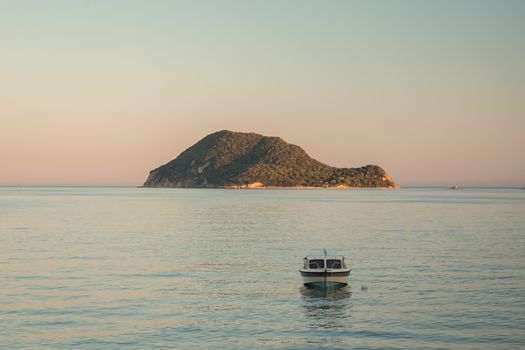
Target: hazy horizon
[{"x": 101, "y": 92}]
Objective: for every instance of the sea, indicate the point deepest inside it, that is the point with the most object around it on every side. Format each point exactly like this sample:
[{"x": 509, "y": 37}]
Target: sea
[{"x": 142, "y": 268}]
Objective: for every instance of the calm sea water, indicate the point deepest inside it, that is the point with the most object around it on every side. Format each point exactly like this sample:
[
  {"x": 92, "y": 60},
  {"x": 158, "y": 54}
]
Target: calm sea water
[{"x": 131, "y": 268}]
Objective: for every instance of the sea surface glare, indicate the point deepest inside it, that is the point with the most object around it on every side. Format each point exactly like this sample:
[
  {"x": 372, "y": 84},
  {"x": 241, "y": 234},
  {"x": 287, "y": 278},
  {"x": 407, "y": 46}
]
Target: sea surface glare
[{"x": 138, "y": 268}]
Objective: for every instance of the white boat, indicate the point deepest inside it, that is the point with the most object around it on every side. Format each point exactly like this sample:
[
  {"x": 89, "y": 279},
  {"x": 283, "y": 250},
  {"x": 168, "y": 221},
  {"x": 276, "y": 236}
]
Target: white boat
[{"x": 324, "y": 267}]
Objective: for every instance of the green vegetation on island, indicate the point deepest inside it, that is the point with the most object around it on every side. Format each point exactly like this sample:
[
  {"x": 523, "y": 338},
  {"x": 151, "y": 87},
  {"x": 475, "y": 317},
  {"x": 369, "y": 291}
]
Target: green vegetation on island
[{"x": 236, "y": 159}]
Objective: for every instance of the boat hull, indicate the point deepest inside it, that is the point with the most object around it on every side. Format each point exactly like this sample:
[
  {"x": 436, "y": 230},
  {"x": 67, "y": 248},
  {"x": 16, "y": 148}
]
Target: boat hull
[{"x": 325, "y": 277}]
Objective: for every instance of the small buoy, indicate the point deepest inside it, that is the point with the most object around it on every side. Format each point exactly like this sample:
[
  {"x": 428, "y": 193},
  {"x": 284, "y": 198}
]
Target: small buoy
[{"x": 364, "y": 287}]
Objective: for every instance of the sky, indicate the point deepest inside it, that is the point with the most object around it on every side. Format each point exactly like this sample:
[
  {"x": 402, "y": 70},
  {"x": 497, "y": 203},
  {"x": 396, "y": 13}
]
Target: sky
[{"x": 102, "y": 92}]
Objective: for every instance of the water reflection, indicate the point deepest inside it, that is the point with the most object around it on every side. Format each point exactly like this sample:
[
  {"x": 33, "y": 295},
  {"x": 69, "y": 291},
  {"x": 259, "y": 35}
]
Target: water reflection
[
  {"x": 327, "y": 307},
  {"x": 328, "y": 292}
]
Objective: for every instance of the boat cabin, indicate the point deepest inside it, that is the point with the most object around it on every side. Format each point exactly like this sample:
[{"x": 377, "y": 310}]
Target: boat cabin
[{"x": 324, "y": 259}]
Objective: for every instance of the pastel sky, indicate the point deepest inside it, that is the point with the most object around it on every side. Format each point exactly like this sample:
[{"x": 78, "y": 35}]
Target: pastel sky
[{"x": 101, "y": 92}]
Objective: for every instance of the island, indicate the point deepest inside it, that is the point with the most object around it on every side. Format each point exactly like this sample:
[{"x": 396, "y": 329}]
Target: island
[{"x": 227, "y": 159}]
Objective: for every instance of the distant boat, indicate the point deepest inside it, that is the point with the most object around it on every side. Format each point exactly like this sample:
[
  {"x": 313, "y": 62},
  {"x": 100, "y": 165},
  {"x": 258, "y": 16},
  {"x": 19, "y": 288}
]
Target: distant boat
[
  {"x": 454, "y": 188},
  {"x": 321, "y": 267}
]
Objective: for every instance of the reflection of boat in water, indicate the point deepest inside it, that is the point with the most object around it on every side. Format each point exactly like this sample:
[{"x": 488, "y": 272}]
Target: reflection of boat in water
[
  {"x": 333, "y": 292},
  {"x": 321, "y": 267},
  {"x": 328, "y": 308}
]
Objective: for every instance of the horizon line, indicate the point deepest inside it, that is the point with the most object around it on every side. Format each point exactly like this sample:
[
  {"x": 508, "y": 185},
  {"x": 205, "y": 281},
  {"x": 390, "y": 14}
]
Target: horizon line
[{"x": 140, "y": 186}]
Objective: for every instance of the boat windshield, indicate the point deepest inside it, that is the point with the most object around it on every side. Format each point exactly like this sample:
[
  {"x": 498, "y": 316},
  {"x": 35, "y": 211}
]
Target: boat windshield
[
  {"x": 333, "y": 263},
  {"x": 316, "y": 264}
]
